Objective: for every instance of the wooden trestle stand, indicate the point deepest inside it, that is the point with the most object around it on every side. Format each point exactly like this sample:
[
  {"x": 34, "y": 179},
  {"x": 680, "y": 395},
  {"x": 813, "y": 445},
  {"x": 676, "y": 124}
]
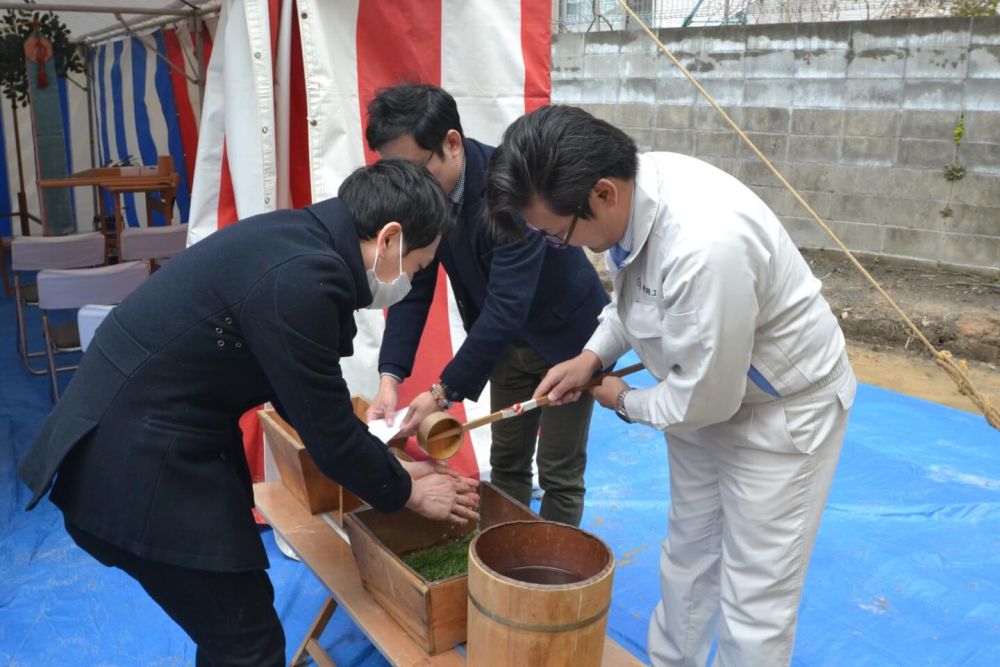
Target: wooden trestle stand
[
  {"x": 322, "y": 546},
  {"x": 328, "y": 555}
]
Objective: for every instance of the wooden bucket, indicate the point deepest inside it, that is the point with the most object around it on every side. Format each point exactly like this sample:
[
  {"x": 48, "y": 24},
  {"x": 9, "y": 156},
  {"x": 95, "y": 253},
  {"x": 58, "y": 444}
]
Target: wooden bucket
[{"x": 539, "y": 594}]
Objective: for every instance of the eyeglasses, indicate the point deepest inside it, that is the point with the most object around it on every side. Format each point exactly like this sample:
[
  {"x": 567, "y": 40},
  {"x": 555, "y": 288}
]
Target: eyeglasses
[
  {"x": 557, "y": 240},
  {"x": 572, "y": 226}
]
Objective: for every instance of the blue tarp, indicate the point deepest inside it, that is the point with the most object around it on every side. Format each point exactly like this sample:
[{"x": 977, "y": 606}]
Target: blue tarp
[{"x": 906, "y": 569}]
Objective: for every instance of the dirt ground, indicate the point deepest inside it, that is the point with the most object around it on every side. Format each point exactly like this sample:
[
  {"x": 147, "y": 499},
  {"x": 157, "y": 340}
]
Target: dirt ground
[
  {"x": 916, "y": 375},
  {"x": 958, "y": 312}
]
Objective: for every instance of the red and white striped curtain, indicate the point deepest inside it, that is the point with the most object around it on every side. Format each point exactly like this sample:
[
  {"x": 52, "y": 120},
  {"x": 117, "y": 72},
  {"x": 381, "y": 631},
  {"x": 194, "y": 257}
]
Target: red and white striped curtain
[{"x": 283, "y": 117}]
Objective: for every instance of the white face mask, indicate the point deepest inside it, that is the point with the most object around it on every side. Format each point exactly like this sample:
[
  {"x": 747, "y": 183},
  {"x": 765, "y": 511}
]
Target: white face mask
[{"x": 385, "y": 295}]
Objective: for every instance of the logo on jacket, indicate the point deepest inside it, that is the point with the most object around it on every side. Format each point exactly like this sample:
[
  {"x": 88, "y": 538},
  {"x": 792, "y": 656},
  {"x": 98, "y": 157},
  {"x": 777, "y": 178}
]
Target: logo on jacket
[{"x": 648, "y": 291}]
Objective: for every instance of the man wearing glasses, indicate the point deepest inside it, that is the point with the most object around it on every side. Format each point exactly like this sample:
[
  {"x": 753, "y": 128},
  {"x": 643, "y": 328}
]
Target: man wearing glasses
[
  {"x": 754, "y": 386},
  {"x": 527, "y": 301}
]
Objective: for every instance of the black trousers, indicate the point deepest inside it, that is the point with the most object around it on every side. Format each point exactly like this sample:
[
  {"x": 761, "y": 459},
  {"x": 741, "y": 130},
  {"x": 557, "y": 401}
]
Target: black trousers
[{"x": 229, "y": 615}]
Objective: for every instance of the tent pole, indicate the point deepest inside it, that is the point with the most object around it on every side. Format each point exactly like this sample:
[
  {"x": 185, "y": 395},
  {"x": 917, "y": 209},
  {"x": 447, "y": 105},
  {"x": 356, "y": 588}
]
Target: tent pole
[
  {"x": 22, "y": 199},
  {"x": 91, "y": 122},
  {"x": 89, "y": 9},
  {"x": 199, "y": 54},
  {"x": 106, "y": 34},
  {"x": 154, "y": 51}
]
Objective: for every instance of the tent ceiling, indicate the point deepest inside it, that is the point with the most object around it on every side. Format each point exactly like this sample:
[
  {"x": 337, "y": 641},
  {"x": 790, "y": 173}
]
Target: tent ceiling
[{"x": 92, "y": 20}]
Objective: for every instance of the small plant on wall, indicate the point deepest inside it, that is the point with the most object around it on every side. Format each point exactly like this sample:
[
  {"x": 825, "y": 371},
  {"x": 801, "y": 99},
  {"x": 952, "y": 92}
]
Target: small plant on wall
[
  {"x": 15, "y": 27},
  {"x": 954, "y": 170}
]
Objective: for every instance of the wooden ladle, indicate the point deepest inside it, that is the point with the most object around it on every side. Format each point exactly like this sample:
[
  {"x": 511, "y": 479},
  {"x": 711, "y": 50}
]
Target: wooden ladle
[{"x": 440, "y": 434}]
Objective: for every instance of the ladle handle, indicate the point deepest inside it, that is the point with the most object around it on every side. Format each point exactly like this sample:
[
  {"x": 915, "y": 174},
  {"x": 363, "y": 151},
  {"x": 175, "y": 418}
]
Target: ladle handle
[
  {"x": 521, "y": 408},
  {"x": 628, "y": 370}
]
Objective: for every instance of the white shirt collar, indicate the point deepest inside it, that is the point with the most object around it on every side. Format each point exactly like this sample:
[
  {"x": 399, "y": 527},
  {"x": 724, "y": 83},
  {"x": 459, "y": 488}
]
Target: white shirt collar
[{"x": 625, "y": 243}]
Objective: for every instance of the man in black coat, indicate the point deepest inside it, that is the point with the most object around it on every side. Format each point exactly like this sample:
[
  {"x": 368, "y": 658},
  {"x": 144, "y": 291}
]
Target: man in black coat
[
  {"x": 526, "y": 303},
  {"x": 145, "y": 445}
]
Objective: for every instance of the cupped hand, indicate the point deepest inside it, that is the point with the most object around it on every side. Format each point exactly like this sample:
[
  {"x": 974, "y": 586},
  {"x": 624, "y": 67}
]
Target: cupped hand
[{"x": 443, "y": 495}]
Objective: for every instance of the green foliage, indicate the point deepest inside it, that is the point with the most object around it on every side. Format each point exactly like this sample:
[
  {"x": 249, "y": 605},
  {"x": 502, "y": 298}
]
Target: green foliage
[
  {"x": 441, "y": 561},
  {"x": 922, "y": 8},
  {"x": 959, "y": 130},
  {"x": 972, "y": 7},
  {"x": 15, "y": 27},
  {"x": 954, "y": 171}
]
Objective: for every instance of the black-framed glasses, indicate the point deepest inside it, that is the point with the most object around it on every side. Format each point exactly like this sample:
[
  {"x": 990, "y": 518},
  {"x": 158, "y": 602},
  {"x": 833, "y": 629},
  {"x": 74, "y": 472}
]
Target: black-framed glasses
[
  {"x": 572, "y": 226},
  {"x": 557, "y": 240}
]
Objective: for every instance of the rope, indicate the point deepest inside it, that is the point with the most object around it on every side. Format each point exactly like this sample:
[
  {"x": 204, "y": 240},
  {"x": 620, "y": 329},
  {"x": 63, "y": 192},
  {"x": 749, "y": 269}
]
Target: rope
[{"x": 957, "y": 370}]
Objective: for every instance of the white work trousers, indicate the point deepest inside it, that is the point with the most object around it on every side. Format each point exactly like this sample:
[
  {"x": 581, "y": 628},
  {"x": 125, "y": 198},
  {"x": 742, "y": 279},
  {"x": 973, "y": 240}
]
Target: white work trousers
[{"x": 747, "y": 497}]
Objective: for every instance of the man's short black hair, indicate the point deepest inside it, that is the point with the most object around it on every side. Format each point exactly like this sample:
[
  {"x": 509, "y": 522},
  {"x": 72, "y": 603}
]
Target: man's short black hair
[
  {"x": 555, "y": 154},
  {"x": 397, "y": 190},
  {"x": 423, "y": 111}
]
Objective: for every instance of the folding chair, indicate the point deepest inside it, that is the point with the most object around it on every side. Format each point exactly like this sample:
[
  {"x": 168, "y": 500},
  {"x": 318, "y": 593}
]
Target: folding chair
[
  {"x": 152, "y": 244},
  {"x": 73, "y": 289},
  {"x": 35, "y": 253}
]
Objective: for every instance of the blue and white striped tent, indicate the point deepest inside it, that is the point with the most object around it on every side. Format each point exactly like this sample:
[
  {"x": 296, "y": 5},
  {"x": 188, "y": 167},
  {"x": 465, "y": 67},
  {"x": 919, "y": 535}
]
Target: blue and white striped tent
[{"x": 144, "y": 102}]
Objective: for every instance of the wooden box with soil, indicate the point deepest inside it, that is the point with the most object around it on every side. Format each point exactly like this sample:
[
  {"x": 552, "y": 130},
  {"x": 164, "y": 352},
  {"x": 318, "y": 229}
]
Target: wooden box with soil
[
  {"x": 299, "y": 472},
  {"x": 434, "y": 613}
]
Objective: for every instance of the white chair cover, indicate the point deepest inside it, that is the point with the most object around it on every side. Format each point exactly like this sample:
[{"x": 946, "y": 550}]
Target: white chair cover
[
  {"x": 75, "y": 288},
  {"x": 152, "y": 242},
  {"x": 74, "y": 251}
]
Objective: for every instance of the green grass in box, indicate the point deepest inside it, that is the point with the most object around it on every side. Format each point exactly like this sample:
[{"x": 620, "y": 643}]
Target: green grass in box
[{"x": 442, "y": 560}]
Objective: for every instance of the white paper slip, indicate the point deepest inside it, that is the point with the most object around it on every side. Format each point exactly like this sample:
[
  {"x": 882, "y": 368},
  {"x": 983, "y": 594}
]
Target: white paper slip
[{"x": 383, "y": 431}]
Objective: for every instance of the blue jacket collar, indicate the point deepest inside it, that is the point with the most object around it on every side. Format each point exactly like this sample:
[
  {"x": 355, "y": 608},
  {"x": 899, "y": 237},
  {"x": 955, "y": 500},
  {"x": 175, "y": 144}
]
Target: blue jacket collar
[{"x": 475, "y": 172}]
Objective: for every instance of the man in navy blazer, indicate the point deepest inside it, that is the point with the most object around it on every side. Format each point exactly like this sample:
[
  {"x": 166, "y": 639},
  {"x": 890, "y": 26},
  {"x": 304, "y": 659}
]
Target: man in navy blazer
[
  {"x": 145, "y": 444},
  {"x": 526, "y": 304}
]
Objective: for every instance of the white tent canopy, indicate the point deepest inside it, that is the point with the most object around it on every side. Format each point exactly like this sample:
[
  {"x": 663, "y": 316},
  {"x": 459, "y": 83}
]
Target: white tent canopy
[{"x": 96, "y": 21}]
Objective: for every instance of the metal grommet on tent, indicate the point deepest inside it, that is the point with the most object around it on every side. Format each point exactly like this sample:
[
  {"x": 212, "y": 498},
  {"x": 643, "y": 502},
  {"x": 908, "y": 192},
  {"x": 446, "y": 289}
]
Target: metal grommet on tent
[
  {"x": 256, "y": 54},
  {"x": 313, "y": 122},
  {"x": 220, "y": 343},
  {"x": 264, "y": 129},
  {"x": 218, "y": 330}
]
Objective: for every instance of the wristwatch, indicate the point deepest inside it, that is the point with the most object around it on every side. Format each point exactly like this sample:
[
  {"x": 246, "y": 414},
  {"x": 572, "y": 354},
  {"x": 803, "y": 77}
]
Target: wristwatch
[{"x": 620, "y": 405}]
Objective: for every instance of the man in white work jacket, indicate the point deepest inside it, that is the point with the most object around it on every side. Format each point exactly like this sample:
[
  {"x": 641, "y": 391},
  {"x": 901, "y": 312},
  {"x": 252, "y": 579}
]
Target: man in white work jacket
[{"x": 754, "y": 383}]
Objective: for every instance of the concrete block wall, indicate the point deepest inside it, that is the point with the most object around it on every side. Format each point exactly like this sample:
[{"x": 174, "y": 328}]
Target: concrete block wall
[{"x": 858, "y": 116}]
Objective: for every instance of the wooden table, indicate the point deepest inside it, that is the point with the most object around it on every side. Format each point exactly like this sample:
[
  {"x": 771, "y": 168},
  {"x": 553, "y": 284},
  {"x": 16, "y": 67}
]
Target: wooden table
[
  {"x": 329, "y": 557},
  {"x": 161, "y": 179}
]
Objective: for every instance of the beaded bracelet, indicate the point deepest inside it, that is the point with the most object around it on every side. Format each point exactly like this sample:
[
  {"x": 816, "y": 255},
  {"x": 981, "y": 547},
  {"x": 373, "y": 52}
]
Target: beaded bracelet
[{"x": 437, "y": 391}]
